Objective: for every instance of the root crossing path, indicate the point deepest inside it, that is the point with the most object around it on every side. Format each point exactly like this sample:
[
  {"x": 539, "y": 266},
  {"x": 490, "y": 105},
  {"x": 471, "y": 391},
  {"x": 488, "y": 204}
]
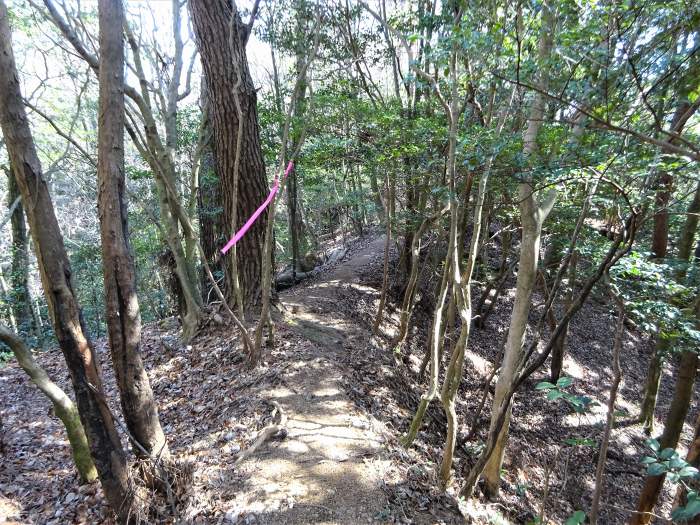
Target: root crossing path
[{"x": 328, "y": 469}]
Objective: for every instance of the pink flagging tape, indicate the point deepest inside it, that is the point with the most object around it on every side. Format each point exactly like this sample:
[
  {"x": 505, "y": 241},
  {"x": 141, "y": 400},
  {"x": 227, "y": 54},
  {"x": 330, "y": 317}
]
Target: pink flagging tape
[{"x": 240, "y": 233}]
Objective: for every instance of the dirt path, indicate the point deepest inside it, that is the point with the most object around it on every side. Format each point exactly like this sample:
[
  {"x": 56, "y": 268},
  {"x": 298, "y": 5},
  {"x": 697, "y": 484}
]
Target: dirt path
[{"x": 329, "y": 467}]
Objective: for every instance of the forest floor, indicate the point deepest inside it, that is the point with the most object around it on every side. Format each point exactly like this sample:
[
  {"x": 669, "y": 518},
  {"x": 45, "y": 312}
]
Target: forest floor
[{"x": 346, "y": 398}]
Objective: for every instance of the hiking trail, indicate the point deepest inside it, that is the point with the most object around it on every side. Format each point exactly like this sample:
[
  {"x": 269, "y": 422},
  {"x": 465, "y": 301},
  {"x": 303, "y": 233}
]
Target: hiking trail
[{"x": 328, "y": 469}]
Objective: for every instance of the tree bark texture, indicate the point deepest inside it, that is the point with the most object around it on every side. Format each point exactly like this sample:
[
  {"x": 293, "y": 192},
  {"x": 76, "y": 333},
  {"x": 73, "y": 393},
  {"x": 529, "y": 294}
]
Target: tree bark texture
[
  {"x": 209, "y": 205},
  {"x": 211, "y": 26},
  {"x": 55, "y": 271},
  {"x": 122, "y": 306}
]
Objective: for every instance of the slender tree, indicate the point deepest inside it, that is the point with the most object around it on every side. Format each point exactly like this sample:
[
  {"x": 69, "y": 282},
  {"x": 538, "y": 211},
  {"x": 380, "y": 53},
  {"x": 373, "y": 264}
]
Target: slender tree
[
  {"x": 122, "y": 304},
  {"x": 19, "y": 268},
  {"x": 64, "y": 408},
  {"x": 56, "y": 277},
  {"x": 533, "y": 214}
]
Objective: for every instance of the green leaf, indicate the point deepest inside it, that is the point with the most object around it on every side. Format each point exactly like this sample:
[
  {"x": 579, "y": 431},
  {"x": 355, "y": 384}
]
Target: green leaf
[
  {"x": 545, "y": 385},
  {"x": 667, "y": 453},
  {"x": 691, "y": 509},
  {"x": 653, "y": 444},
  {"x": 648, "y": 459},
  {"x": 583, "y": 442},
  {"x": 563, "y": 382},
  {"x": 677, "y": 463},
  {"x": 555, "y": 394},
  {"x": 688, "y": 472},
  {"x": 656, "y": 469},
  {"x": 576, "y": 518}
]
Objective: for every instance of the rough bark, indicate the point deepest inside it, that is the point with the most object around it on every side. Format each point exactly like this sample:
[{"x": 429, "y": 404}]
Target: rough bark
[
  {"x": 55, "y": 271},
  {"x": 211, "y": 27},
  {"x": 158, "y": 154},
  {"x": 209, "y": 203},
  {"x": 63, "y": 407},
  {"x": 121, "y": 303}
]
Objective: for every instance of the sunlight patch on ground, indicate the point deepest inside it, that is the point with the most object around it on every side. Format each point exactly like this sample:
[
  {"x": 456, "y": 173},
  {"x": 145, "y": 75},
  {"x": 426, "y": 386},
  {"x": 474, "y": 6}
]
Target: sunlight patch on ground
[
  {"x": 8, "y": 509},
  {"x": 478, "y": 363}
]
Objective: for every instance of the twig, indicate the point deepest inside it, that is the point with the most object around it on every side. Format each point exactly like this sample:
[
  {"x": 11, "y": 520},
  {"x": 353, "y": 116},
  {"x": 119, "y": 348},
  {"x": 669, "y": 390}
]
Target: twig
[{"x": 266, "y": 433}]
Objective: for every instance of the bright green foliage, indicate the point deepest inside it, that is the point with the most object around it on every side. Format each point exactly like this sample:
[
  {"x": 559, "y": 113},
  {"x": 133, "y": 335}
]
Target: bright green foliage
[
  {"x": 668, "y": 463},
  {"x": 576, "y": 518},
  {"x": 579, "y": 404}
]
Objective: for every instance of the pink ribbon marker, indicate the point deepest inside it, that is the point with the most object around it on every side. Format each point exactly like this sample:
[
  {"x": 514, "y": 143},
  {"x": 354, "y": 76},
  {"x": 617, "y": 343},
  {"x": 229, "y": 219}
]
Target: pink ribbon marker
[{"x": 240, "y": 233}]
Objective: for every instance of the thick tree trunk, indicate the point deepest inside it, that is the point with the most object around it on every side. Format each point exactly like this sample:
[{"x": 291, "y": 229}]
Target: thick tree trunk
[
  {"x": 209, "y": 205},
  {"x": 54, "y": 267},
  {"x": 659, "y": 239},
  {"x": 212, "y": 25},
  {"x": 664, "y": 180},
  {"x": 122, "y": 306},
  {"x": 63, "y": 406},
  {"x": 209, "y": 211}
]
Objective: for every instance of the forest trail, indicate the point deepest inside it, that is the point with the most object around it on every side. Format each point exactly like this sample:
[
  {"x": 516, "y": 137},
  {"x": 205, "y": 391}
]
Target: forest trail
[{"x": 327, "y": 470}]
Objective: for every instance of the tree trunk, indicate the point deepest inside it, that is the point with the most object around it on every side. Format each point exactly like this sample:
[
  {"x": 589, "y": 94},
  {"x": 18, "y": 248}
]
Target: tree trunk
[
  {"x": 693, "y": 459},
  {"x": 376, "y": 196},
  {"x": 651, "y": 390},
  {"x": 19, "y": 267},
  {"x": 659, "y": 239},
  {"x": 409, "y": 292},
  {"x": 121, "y": 303},
  {"x": 673, "y": 426},
  {"x": 63, "y": 406},
  {"x": 209, "y": 208},
  {"x": 685, "y": 242},
  {"x": 212, "y": 25},
  {"x": 55, "y": 271},
  {"x": 610, "y": 416},
  {"x": 532, "y": 216},
  {"x": 559, "y": 348},
  {"x": 388, "y": 214}
]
